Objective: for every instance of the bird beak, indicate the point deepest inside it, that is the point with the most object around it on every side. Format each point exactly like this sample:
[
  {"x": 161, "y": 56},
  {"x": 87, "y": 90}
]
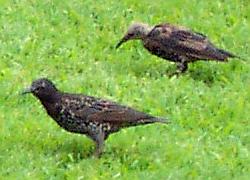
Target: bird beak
[
  {"x": 26, "y": 91},
  {"x": 123, "y": 40}
]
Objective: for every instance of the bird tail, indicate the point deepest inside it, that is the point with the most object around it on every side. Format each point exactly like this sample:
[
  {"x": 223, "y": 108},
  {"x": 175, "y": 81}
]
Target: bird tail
[
  {"x": 150, "y": 120},
  {"x": 227, "y": 54},
  {"x": 159, "y": 119}
]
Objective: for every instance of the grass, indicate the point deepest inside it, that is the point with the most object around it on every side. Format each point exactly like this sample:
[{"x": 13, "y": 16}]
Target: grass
[{"x": 72, "y": 43}]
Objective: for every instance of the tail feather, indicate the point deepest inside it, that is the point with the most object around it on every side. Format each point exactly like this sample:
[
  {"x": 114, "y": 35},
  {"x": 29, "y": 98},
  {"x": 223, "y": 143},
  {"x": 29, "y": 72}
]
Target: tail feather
[
  {"x": 226, "y": 53},
  {"x": 149, "y": 120},
  {"x": 158, "y": 119}
]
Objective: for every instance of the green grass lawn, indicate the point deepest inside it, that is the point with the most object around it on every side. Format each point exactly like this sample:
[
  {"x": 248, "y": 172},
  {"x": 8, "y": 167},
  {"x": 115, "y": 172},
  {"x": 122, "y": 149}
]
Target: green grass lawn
[{"x": 72, "y": 43}]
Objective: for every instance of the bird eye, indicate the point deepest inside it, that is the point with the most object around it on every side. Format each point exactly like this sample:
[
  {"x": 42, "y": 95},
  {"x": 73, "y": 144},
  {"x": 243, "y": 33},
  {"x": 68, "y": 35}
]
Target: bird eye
[{"x": 39, "y": 88}]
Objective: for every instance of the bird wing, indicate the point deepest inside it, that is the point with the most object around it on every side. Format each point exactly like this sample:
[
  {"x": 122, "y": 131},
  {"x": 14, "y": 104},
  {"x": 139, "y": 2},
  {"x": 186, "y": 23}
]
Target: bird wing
[
  {"x": 77, "y": 101},
  {"x": 118, "y": 116},
  {"x": 183, "y": 42},
  {"x": 94, "y": 109},
  {"x": 83, "y": 106},
  {"x": 115, "y": 113},
  {"x": 77, "y": 106}
]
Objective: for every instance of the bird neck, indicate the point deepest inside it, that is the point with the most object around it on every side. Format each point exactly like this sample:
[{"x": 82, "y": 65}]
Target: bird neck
[
  {"x": 49, "y": 97},
  {"x": 51, "y": 103},
  {"x": 145, "y": 29}
]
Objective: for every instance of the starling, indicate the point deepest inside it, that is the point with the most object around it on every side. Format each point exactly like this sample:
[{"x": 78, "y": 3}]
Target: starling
[
  {"x": 175, "y": 43},
  {"x": 94, "y": 117}
]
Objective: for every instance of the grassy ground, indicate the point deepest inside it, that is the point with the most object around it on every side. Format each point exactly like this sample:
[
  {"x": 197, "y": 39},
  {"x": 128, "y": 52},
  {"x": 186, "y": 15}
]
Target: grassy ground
[{"x": 72, "y": 43}]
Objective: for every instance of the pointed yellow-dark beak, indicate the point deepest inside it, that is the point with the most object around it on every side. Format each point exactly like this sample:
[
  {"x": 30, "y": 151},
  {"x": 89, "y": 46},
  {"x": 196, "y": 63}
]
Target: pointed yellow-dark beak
[
  {"x": 27, "y": 91},
  {"x": 123, "y": 40}
]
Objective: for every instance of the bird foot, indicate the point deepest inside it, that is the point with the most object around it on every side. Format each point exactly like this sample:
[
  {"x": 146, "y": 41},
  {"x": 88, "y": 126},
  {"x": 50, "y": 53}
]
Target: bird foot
[
  {"x": 97, "y": 153},
  {"x": 176, "y": 74},
  {"x": 99, "y": 140}
]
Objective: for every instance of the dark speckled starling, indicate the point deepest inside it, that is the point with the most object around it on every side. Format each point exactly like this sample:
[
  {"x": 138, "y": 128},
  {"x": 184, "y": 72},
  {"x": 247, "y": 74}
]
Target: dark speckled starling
[
  {"x": 175, "y": 43},
  {"x": 87, "y": 115}
]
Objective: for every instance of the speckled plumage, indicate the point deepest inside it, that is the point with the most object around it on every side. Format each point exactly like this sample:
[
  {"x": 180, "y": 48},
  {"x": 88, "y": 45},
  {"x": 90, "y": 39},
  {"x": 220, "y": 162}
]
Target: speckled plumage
[
  {"x": 175, "y": 43},
  {"x": 87, "y": 115}
]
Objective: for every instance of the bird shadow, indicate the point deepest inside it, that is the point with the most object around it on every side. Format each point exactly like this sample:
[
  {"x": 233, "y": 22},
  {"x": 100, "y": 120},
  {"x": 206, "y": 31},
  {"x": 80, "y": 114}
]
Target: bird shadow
[
  {"x": 72, "y": 150},
  {"x": 208, "y": 74},
  {"x": 205, "y": 76},
  {"x": 75, "y": 151},
  {"x": 155, "y": 70}
]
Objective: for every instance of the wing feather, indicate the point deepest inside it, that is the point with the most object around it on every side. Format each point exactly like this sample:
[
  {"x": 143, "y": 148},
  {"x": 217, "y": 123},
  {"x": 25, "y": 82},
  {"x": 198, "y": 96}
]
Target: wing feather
[
  {"x": 94, "y": 109},
  {"x": 119, "y": 116},
  {"x": 182, "y": 42}
]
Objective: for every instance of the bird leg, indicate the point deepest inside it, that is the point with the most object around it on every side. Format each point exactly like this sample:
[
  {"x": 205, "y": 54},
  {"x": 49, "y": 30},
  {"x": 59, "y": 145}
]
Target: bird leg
[
  {"x": 99, "y": 140},
  {"x": 182, "y": 66}
]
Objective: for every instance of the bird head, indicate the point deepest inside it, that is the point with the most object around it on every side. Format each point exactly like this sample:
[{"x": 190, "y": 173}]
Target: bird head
[
  {"x": 135, "y": 31},
  {"x": 41, "y": 88}
]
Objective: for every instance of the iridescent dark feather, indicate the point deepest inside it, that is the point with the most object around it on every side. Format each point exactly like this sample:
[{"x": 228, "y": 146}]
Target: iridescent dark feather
[
  {"x": 87, "y": 115},
  {"x": 175, "y": 43}
]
